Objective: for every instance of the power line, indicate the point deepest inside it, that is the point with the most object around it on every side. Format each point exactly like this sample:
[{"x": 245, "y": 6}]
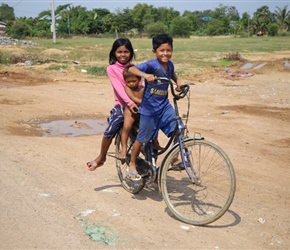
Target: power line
[{"x": 17, "y": 3}]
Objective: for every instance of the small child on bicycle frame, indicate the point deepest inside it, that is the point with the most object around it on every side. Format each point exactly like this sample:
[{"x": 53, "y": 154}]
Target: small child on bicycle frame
[
  {"x": 155, "y": 110},
  {"x": 135, "y": 92}
]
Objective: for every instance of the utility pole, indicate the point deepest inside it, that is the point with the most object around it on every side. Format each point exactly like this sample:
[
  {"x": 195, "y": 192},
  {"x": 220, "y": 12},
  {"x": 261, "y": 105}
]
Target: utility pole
[
  {"x": 68, "y": 25},
  {"x": 53, "y": 22},
  {"x": 248, "y": 24}
]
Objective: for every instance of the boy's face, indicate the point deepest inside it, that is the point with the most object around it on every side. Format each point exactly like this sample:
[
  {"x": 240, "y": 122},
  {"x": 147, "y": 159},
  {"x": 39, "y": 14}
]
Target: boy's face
[
  {"x": 132, "y": 82},
  {"x": 163, "y": 53}
]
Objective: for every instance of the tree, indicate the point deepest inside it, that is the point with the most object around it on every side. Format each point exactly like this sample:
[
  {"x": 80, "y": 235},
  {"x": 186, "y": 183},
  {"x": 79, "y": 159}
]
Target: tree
[
  {"x": 156, "y": 28},
  {"x": 196, "y": 19},
  {"x": 283, "y": 17},
  {"x": 215, "y": 27},
  {"x": 262, "y": 18},
  {"x": 232, "y": 13},
  {"x": 142, "y": 16},
  {"x": 180, "y": 27},
  {"x": 80, "y": 20},
  {"x": 6, "y": 13},
  {"x": 273, "y": 29},
  {"x": 244, "y": 25},
  {"x": 107, "y": 23},
  {"x": 164, "y": 15},
  {"x": 122, "y": 21},
  {"x": 19, "y": 30}
]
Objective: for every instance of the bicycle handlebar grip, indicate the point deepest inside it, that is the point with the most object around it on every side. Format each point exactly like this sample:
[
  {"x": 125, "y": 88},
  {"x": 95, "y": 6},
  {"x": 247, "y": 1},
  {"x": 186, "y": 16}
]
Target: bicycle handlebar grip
[{"x": 184, "y": 90}]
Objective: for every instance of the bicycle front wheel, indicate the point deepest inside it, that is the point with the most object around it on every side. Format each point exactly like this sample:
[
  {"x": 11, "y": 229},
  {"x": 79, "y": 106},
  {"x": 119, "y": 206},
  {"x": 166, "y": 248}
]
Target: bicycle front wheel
[
  {"x": 128, "y": 185},
  {"x": 207, "y": 196}
]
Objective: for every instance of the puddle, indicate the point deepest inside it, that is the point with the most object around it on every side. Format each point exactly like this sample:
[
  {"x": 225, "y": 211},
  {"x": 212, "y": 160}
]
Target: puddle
[
  {"x": 73, "y": 128},
  {"x": 287, "y": 64},
  {"x": 260, "y": 65},
  {"x": 247, "y": 66},
  {"x": 7, "y": 85}
]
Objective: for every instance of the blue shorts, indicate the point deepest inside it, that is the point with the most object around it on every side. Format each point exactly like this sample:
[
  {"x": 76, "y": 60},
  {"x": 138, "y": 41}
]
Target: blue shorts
[
  {"x": 150, "y": 125},
  {"x": 115, "y": 121}
]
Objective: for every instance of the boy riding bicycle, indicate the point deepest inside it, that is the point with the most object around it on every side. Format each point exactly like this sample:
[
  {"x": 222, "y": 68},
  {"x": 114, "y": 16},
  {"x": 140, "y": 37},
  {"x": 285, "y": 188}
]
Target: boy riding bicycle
[{"x": 155, "y": 110}]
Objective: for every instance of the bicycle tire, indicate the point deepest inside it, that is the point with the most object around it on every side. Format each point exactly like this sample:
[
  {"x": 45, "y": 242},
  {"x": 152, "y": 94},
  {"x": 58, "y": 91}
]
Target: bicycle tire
[
  {"x": 203, "y": 200},
  {"x": 133, "y": 187}
]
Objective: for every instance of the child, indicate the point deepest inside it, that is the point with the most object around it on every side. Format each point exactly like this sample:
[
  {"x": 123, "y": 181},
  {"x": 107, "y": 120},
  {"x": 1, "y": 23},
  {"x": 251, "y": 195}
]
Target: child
[
  {"x": 120, "y": 56},
  {"x": 155, "y": 110},
  {"x": 135, "y": 92}
]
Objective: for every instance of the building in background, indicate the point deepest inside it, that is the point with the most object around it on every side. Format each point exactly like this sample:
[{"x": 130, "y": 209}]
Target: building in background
[{"x": 2, "y": 28}]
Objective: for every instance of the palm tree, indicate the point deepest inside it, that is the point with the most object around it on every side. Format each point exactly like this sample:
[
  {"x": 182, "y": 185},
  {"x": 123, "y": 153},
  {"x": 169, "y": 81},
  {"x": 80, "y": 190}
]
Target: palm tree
[
  {"x": 261, "y": 19},
  {"x": 283, "y": 17}
]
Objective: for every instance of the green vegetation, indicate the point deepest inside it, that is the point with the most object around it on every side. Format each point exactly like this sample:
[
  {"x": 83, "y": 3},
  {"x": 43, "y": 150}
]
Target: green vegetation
[
  {"x": 4, "y": 57},
  {"x": 145, "y": 20},
  {"x": 56, "y": 67},
  {"x": 189, "y": 53},
  {"x": 97, "y": 70},
  {"x": 273, "y": 29}
]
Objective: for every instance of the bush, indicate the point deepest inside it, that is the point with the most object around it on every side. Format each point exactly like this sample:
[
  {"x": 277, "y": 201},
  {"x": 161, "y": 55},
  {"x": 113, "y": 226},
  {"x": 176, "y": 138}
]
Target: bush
[
  {"x": 19, "y": 30},
  {"x": 4, "y": 57},
  {"x": 233, "y": 56},
  {"x": 94, "y": 70},
  {"x": 155, "y": 29},
  {"x": 244, "y": 34},
  {"x": 181, "y": 27},
  {"x": 273, "y": 29},
  {"x": 284, "y": 34}
]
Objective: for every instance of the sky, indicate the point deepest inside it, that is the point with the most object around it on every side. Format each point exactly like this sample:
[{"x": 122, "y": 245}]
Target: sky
[{"x": 31, "y": 8}]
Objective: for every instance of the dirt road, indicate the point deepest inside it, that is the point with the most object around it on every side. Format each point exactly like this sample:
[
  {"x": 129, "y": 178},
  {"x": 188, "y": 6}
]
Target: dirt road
[{"x": 50, "y": 201}]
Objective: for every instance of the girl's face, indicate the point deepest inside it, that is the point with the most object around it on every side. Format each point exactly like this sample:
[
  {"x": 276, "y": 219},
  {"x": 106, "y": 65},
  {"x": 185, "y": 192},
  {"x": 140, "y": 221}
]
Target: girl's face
[
  {"x": 132, "y": 82},
  {"x": 163, "y": 53},
  {"x": 122, "y": 55}
]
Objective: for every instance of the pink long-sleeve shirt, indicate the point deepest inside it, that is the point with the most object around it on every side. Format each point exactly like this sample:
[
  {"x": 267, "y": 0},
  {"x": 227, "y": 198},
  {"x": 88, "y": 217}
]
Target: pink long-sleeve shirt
[{"x": 115, "y": 74}]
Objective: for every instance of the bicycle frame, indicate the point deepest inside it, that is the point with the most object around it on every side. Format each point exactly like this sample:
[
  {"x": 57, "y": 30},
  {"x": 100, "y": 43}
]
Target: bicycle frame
[{"x": 178, "y": 136}]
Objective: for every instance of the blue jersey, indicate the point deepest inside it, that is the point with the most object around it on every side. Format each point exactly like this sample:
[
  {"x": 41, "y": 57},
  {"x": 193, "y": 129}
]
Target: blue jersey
[{"x": 155, "y": 96}]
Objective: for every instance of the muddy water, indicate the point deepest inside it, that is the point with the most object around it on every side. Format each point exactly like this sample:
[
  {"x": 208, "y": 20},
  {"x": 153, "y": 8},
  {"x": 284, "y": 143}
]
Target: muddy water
[{"x": 73, "y": 128}]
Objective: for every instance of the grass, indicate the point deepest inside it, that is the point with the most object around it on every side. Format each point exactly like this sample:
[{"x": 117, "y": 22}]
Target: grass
[
  {"x": 195, "y": 52},
  {"x": 56, "y": 67},
  {"x": 4, "y": 57}
]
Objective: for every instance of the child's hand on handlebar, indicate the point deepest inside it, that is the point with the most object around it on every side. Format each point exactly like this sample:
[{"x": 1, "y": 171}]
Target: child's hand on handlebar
[
  {"x": 178, "y": 88},
  {"x": 149, "y": 77}
]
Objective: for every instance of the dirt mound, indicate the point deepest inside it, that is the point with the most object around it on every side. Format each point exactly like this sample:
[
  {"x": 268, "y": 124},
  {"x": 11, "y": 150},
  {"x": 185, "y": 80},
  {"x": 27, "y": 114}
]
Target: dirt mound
[
  {"x": 49, "y": 52},
  {"x": 22, "y": 77}
]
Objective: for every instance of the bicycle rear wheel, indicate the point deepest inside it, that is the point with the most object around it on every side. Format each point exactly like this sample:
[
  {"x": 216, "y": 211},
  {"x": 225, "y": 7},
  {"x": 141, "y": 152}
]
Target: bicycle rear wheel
[
  {"x": 128, "y": 185},
  {"x": 208, "y": 196}
]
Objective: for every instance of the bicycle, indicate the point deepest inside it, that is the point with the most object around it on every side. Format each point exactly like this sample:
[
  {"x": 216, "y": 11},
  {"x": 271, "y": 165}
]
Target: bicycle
[{"x": 200, "y": 189}]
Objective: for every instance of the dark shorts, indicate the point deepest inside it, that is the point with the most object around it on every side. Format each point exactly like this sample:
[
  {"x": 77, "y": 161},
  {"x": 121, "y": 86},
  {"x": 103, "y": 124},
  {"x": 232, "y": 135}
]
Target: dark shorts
[
  {"x": 150, "y": 125},
  {"x": 115, "y": 121}
]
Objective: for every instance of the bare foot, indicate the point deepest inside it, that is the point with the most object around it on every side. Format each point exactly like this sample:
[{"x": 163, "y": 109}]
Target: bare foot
[
  {"x": 156, "y": 145},
  {"x": 123, "y": 154},
  {"x": 92, "y": 165}
]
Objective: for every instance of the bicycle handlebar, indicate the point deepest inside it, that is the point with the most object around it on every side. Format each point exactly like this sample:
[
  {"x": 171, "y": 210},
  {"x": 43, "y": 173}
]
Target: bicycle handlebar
[{"x": 184, "y": 88}]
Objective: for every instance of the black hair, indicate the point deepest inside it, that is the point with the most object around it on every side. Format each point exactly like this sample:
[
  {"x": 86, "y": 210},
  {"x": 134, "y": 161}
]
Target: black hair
[
  {"x": 161, "y": 39},
  {"x": 121, "y": 42},
  {"x": 127, "y": 74}
]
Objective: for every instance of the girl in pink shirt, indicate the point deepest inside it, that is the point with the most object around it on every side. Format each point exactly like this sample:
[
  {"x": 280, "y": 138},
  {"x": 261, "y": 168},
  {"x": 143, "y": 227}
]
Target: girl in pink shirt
[{"x": 120, "y": 57}]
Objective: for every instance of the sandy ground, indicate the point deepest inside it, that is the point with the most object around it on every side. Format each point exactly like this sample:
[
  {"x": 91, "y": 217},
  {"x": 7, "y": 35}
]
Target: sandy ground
[{"x": 50, "y": 201}]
